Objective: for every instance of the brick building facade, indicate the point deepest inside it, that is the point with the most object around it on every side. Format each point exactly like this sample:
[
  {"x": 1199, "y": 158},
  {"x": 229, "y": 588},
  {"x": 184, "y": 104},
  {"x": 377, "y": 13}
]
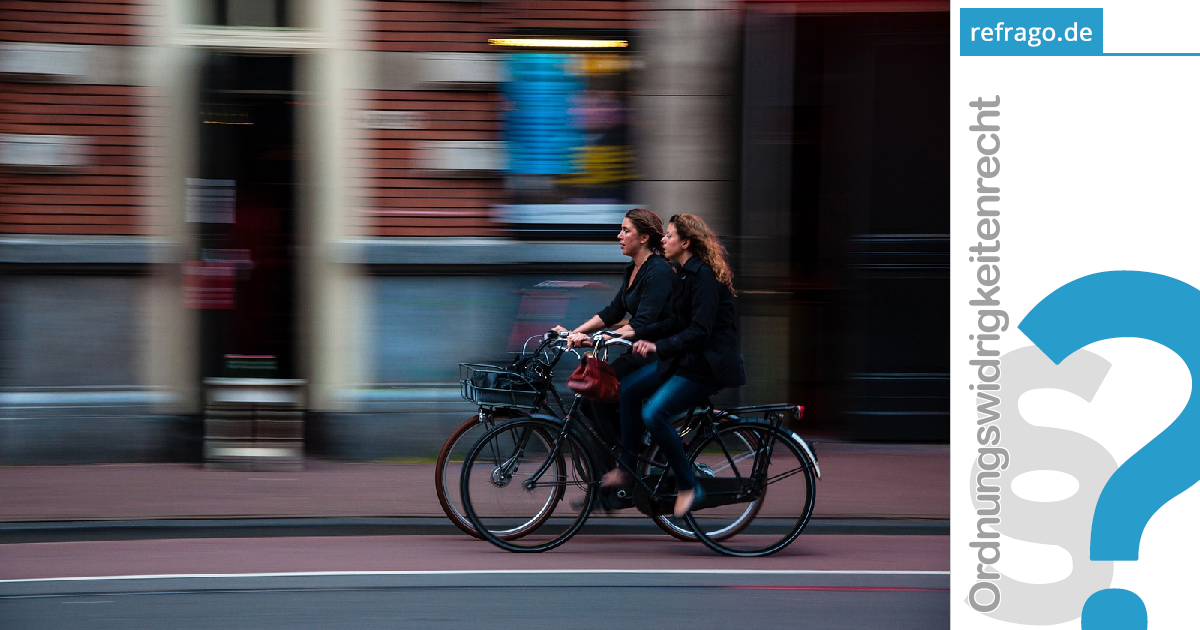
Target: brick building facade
[
  {"x": 304, "y": 189},
  {"x": 323, "y": 191}
]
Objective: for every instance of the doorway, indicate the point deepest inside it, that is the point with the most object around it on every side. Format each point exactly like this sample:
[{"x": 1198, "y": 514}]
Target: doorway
[{"x": 242, "y": 203}]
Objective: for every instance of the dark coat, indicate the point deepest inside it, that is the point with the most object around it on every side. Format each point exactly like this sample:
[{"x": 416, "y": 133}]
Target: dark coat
[
  {"x": 645, "y": 301},
  {"x": 699, "y": 339}
]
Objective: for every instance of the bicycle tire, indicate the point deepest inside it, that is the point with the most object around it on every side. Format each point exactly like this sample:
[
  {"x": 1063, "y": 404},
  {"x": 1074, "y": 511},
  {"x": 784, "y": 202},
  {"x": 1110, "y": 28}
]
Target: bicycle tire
[
  {"x": 679, "y": 528},
  {"x": 527, "y": 464},
  {"x": 446, "y": 474},
  {"x": 777, "y": 467}
]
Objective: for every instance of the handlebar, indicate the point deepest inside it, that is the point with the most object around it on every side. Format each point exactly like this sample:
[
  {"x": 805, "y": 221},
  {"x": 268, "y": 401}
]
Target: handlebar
[
  {"x": 606, "y": 337},
  {"x": 550, "y": 339},
  {"x": 557, "y": 340},
  {"x": 545, "y": 339}
]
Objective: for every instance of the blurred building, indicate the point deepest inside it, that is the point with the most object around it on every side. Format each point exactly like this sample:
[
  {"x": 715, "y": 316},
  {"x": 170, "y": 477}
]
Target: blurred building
[
  {"x": 843, "y": 217},
  {"x": 326, "y": 205}
]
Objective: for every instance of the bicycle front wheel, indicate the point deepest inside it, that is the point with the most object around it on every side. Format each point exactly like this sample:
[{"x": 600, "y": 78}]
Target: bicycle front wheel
[
  {"x": 752, "y": 464},
  {"x": 448, "y": 470},
  {"x": 527, "y": 471}
]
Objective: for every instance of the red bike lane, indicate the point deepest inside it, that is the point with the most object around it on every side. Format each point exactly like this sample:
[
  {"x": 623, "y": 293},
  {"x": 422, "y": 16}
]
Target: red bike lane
[{"x": 419, "y": 553}]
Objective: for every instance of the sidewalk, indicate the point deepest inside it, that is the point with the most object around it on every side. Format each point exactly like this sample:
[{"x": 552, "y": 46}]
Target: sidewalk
[{"x": 859, "y": 481}]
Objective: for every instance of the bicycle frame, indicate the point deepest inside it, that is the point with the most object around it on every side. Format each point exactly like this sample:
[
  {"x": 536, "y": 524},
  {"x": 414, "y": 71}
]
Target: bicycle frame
[
  {"x": 694, "y": 422},
  {"x": 698, "y": 421},
  {"x": 733, "y": 452}
]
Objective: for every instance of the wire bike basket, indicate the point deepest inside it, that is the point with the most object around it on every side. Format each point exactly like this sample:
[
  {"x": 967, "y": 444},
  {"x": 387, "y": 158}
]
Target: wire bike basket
[{"x": 494, "y": 386}]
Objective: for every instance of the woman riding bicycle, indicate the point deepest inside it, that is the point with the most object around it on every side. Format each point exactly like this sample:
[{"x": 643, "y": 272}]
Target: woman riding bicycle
[
  {"x": 697, "y": 351},
  {"x": 643, "y": 296},
  {"x": 647, "y": 286}
]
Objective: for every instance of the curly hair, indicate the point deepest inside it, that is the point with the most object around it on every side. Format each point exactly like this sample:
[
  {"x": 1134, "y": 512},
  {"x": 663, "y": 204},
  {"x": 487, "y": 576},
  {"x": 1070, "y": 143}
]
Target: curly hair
[
  {"x": 648, "y": 224},
  {"x": 704, "y": 243}
]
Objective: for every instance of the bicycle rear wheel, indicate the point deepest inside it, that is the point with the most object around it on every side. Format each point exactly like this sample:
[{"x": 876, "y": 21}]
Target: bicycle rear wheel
[
  {"x": 755, "y": 463},
  {"x": 524, "y": 471},
  {"x": 733, "y": 520}
]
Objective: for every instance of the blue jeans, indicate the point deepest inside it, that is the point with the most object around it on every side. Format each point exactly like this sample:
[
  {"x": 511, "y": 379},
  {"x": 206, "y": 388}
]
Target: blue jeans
[{"x": 663, "y": 401}]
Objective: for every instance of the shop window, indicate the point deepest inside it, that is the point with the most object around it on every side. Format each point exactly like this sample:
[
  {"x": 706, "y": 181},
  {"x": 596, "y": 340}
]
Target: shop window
[
  {"x": 569, "y": 167},
  {"x": 257, "y": 13}
]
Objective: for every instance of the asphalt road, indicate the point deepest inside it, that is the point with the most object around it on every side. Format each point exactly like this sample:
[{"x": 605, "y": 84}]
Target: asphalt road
[
  {"x": 464, "y": 599},
  {"x": 452, "y": 581}
]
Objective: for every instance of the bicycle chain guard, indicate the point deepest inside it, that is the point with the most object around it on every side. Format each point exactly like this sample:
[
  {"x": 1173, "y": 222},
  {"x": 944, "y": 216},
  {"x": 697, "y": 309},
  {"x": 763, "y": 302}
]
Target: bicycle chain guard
[{"x": 643, "y": 500}]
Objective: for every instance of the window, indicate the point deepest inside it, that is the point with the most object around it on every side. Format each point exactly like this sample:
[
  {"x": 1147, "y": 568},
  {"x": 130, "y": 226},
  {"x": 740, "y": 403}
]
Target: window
[{"x": 258, "y": 13}]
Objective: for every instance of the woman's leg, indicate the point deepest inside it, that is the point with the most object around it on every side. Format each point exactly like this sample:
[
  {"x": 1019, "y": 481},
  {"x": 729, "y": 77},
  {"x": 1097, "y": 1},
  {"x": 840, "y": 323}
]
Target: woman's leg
[
  {"x": 676, "y": 396},
  {"x": 635, "y": 388}
]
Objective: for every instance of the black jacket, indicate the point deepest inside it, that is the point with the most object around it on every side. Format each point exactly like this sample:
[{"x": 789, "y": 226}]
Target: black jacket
[
  {"x": 646, "y": 300},
  {"x": 699, "y": 339}
]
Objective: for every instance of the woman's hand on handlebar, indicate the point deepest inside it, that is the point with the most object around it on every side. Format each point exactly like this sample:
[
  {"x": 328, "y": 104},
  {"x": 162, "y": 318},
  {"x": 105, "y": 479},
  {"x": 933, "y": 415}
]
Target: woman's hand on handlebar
[
  {"x": 578, "y": 340},
  {"x": 624, "y": 332},
  {"x": 645, "y": 348}
]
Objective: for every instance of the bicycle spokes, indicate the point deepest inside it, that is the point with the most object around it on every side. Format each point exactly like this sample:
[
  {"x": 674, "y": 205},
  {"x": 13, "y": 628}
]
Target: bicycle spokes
[
  {"x": 749, "y": 459},
  {"x": 544, "y": 496}
]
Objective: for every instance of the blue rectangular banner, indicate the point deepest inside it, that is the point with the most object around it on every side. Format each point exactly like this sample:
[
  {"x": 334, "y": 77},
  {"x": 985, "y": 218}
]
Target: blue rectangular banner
[{"x": 1031, "y": 32}]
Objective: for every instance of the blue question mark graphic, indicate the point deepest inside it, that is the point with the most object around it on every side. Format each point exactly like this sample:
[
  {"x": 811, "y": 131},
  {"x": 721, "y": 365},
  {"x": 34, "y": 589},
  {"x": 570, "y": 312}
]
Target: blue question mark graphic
[{"x": 1146, "y": 306}]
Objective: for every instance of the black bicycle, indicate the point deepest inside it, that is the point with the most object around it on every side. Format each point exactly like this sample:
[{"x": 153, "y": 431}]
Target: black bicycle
[
  {"x": 525, "y": 466},
  {"x": 524, "y": 389}
]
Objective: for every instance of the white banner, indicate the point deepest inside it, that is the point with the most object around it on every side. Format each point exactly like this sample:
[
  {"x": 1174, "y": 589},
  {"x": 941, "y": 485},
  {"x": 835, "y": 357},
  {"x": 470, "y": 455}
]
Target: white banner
[{"x": 1072, "y": 190}]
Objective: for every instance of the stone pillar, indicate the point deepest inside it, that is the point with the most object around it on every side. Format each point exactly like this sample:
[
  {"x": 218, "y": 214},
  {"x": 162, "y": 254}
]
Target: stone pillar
[{"x": 685, "y": 128}]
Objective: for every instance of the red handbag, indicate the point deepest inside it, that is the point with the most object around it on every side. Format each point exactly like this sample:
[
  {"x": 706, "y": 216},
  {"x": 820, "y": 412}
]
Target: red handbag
[{"x": 595, "y": 379}]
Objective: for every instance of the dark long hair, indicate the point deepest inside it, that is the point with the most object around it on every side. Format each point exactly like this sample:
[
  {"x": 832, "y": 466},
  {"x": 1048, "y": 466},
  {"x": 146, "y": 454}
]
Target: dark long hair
[
  {"x": 704, "y": 244},
  {"x": 647, "y": 223}
]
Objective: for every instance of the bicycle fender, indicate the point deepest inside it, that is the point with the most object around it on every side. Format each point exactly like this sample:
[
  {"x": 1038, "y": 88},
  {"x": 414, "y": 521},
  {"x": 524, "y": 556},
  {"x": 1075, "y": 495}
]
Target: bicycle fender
[{"x": 812, "y": 455}]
